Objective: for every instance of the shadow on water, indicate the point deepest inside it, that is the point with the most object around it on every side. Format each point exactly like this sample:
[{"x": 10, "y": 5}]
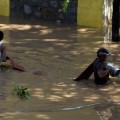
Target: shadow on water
[{"x": 62, "y": 52}]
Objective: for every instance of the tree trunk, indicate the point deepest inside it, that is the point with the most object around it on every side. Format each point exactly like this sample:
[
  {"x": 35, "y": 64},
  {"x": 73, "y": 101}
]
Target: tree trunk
[{"x": 116, "y": 21}]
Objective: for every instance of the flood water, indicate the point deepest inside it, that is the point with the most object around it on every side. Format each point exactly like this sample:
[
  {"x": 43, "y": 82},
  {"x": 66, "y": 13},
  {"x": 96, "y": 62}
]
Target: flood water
[{"x": 62, "y": 52}]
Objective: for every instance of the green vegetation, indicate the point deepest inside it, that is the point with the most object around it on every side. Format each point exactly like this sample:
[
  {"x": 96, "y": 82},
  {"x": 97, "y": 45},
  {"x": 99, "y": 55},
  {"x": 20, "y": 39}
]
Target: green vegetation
[
  {"x": 65, "y": 5},
  {"x": 21, "y": 92}
]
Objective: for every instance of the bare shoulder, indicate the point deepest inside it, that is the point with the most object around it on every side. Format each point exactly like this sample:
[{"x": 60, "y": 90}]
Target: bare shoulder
[{"x": 99, "y": 65}]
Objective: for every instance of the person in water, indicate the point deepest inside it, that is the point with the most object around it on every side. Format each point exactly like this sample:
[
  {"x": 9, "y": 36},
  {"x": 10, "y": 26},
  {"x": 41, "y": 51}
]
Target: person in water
[
  {"x": 2, "y": 48},
  {"x": 102, "y": 69}
]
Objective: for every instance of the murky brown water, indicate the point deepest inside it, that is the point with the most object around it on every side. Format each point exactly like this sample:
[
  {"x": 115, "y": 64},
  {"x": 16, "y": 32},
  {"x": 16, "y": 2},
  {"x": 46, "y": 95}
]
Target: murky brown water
[{"x": 62, "y": 52}]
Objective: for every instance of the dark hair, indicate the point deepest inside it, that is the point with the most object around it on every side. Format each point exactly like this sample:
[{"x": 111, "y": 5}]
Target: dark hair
[
  {"x": 103, "y": 51},
  {"x": 1, "y": 35}
]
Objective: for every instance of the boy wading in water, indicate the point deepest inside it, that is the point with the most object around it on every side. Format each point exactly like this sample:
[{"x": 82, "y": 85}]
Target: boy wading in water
[
  {"x": 2, "y": 49},
  {"x": 101, "y": 69}
]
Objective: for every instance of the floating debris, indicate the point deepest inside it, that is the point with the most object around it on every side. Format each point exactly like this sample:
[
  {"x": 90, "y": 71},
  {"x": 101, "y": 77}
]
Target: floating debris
[{"x": 21, "y": 92}]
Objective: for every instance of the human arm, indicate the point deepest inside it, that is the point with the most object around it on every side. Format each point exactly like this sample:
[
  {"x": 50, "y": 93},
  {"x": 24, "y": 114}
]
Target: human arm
[
  {"x": 102, "y": 71},
  {"x": 3, "y": 51}
]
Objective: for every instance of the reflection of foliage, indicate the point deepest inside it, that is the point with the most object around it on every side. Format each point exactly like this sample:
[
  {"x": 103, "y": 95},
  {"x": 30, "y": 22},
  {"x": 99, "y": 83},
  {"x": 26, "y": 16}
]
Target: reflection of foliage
[
  {"x": 65, "y": 5},
  {"x": 21, "y": 92}
]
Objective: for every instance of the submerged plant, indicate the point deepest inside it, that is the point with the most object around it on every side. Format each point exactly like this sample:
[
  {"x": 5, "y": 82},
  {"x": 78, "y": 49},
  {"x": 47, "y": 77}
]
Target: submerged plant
[{"x": 21, "y": 92}]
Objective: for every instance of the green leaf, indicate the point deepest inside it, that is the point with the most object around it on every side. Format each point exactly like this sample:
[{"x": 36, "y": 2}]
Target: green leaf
[{"x": 21, "y": 92}]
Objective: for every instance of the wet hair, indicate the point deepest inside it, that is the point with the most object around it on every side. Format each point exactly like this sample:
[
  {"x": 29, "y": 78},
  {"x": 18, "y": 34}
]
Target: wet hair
[{"x": 1, "y": 35}]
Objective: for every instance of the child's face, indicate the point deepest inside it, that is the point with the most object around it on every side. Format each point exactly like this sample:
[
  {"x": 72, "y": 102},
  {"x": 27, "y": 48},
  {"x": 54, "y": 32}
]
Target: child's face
[{"x": 104, "y": 57}]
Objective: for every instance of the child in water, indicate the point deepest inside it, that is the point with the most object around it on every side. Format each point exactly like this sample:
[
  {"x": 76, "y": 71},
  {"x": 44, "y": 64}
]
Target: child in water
[
  {"x": 2, "y": 49},
  {"x": 102, "y": 69}
]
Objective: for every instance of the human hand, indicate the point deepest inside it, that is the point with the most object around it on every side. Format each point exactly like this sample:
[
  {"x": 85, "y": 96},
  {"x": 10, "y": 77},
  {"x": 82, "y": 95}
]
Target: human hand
[{"x": 109, "y": 68}]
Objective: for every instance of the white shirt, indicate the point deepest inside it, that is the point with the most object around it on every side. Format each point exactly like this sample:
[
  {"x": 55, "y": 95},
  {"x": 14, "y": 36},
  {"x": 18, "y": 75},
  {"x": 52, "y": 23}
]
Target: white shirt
[{"x": 1, "y": 42}]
